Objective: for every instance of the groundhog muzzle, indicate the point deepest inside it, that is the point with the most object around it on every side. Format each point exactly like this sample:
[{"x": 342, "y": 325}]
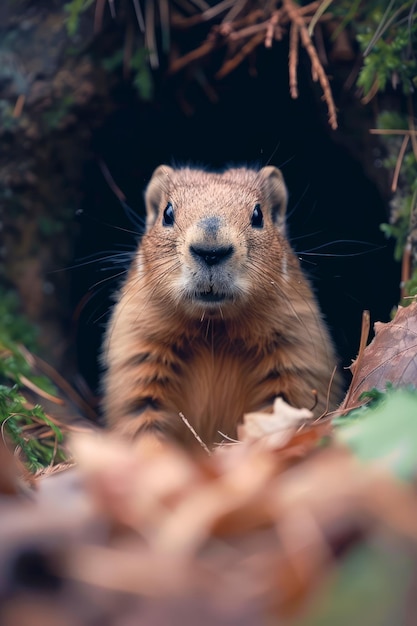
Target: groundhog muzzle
[{"x": 215, "y": 318}]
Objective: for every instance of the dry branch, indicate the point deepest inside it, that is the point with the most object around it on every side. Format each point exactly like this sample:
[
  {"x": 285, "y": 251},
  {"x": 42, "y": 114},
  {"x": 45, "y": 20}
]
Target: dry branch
[
  {"x": 205, "y": 49},
  {"x": 232, "y": 64},
  {"x": 317, "y": 70},
  {"x": 293, "y": 60},
  {"x": 259, "y": 26}
]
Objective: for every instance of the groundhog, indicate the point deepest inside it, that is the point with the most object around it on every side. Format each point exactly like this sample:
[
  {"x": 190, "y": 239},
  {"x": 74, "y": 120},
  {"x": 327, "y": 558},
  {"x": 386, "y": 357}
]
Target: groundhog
[{"x": 215, "y": 318}]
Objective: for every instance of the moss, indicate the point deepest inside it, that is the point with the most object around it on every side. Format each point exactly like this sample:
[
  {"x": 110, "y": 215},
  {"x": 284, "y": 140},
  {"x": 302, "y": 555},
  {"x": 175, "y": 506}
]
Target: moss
[{"x": 21, "y": 421}]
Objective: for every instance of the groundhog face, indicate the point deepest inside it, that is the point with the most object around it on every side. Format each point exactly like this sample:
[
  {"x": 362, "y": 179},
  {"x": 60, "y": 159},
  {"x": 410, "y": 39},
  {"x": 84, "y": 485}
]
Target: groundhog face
[{"x": 211, "y": 238}]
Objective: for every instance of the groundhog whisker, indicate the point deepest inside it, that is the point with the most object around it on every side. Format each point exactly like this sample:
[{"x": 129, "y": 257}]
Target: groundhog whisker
[
  {"x": 282, "y": 293},
  {"x": 319, "y": 322},
  {"x": 96, "y": 259},
  {"x": 137, "y": 234},
  {"x": 134, "y": 217},
  {"x": 107, "y": 279},
  {"x": 337, "y": 255},
  {"x": 306, "y": 236},
  {"x": 274, "y": 285}
]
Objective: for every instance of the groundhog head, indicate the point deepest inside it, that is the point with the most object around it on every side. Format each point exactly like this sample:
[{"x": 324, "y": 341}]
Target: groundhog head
[{"x": 212, "y": 240}]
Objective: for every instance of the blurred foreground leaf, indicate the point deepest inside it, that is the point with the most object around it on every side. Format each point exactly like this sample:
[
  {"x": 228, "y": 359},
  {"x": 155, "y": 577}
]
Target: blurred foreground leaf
[
  {"x": 386, "y": 433},
  {"x": 370, "y": 587}
]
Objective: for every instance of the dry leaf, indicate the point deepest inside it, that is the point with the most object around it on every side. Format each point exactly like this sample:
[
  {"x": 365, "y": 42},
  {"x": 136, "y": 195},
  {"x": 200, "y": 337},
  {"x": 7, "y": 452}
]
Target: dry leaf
[
  {"x": 274, "y": 429},
  {"x": 245, "y": 536},
  {"x": 227, "y": 504},
  {"x": 390, "y": 357},
  {"x": 136, "y": 490}
]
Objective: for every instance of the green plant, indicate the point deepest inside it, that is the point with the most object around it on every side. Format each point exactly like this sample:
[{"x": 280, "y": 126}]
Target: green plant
[
  {"x": 142, "y": 76},
  {"x": 387, "y": 36},
  {"x": 30, "y": 430},
  {"x": 74, "y": 10},
  {"x": 23, "y": 424}
]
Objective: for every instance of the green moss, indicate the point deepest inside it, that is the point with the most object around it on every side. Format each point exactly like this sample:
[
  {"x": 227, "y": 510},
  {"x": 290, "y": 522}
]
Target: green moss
[{"x": 17, "y": 417}]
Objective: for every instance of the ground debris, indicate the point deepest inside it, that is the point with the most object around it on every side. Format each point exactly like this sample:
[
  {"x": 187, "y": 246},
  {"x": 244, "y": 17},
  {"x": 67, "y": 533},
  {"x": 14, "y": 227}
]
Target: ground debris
[
  {"x": 391, "y": 358},
  {"x": 248, "y": 535}
]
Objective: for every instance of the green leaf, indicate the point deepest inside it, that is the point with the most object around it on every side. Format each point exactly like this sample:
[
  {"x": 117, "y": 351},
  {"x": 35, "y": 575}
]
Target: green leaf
[
  {"x": 370, "y": 588},
  {"x": 387, "y": 435}
]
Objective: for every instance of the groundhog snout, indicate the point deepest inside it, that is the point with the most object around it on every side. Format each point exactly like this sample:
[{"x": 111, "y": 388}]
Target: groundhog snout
[
  {"x": 211, "y": 255},
  {"x": 209, "y": 244}
]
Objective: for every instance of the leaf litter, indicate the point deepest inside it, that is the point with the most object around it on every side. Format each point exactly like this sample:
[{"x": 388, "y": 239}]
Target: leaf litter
[{"x": 301, "y": 522}]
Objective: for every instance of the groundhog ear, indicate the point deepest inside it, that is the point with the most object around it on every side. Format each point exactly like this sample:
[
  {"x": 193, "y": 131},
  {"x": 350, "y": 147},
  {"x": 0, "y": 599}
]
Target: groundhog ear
[
  {"x": 157, "y": 192},
  {"x": 275, "y": 192}
]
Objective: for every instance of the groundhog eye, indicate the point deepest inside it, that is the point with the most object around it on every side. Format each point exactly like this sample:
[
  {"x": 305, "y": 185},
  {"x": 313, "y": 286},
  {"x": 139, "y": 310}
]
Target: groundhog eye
[
  {"x": 257, "y": 217},
  {"x": 168, "y": 219}
]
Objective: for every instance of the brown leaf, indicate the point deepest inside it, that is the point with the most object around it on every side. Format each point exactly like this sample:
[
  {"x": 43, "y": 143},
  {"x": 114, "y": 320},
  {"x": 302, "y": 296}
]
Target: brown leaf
[
  {"x": 390, "y": 357},
  {"x": 134, "y": 489},
  {"x": 274, "y": 429}
]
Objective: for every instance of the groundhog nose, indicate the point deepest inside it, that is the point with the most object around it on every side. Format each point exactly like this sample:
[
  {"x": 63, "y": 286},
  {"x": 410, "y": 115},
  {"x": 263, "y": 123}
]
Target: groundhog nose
[{"x": 212, "y": 256}]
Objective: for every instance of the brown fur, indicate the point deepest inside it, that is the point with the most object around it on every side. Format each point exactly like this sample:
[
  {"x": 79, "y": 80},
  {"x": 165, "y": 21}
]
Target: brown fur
[{"x": 169, "y": 352}]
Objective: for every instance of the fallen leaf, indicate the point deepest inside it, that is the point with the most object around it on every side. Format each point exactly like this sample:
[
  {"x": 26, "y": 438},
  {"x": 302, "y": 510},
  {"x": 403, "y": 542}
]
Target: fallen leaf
[
  {"x": 133, "y": 489},
  {"x": 390, "y": 357},
  {"x": 274, "y": 429}
]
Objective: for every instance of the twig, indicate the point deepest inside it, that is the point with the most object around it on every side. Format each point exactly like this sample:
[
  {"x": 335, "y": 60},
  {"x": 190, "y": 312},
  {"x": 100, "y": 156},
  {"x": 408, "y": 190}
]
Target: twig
[
  {"x": 18, "y": 107},
  {"x": 53, "y": 469},
  {"x": 315, "y": 395},
  {"x": 216, "y": 9},
  {"x": 205, "y": 16},
  {"x": 406, "y": 266},
  {"x": 366, "y": 323},
  {"x": 412, "y": 127},
  {"x": 318, "y": 14},
  {"x": 248, "y": 31},
  {"x": 329, "y": 388},
  {"x": 309, "y": 8},
  {"x": 253, "y": 26},
  {"x": 44, "y": 394},
  {"x": 246, "y": 26},
  {"x": 317, "y": 70},
  {"x": 139, "y": 15},
  {"x": 200, "y": 441},
  {"x": 372, "y": 92},
  {"x": 150, "y": 41},
  {"x": 392, "y": 131},
  {"x": 231, "y": 64},
  {"x": 293, "y": 60},
  {"x": 230, "y": 439},
  {"x": 198, "y": 53},
  {"x": 270, "y": 30},
  {"x": 234, "y": 11},
  {"x": 399, "y": 162}
]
